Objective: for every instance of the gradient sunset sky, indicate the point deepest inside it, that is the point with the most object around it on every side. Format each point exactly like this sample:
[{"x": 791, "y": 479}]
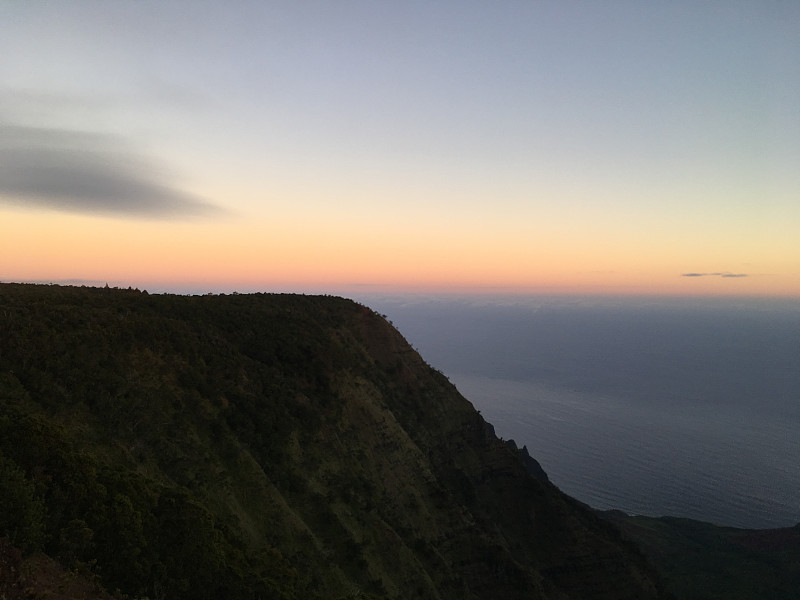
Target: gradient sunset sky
[{"x": 545, "y": 147}]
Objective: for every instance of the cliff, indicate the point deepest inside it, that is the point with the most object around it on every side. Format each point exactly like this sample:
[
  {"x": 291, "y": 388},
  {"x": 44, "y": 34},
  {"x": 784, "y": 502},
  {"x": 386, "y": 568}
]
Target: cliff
[{"x": 271, "y": 446}]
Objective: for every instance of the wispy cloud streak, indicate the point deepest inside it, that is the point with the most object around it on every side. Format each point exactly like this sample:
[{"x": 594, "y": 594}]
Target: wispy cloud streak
[{"x": 82, "y": 172}]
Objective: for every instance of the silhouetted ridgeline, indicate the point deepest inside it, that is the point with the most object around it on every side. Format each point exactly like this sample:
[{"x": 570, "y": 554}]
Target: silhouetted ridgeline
[{"x": 269, "y": 446}]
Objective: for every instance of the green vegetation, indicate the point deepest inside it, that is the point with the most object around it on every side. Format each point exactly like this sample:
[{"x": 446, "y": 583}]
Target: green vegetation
[
  {"x": 270, "y": 446},
  {"x": 22, "y": 513}
]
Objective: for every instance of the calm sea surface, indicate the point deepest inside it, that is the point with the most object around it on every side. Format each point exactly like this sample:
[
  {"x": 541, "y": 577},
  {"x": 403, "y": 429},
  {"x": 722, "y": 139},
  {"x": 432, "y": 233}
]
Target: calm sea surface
[{"x": 683, "y": 407}]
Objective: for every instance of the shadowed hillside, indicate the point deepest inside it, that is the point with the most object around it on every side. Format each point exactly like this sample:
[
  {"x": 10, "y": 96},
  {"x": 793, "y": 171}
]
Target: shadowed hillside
[
  {"x": 271, "y": 446},
  {"x": 701, "y": 561}
]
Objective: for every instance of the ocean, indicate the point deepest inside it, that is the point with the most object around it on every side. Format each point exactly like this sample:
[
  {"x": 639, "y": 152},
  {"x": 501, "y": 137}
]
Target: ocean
[{"x": 654, "y": 406}]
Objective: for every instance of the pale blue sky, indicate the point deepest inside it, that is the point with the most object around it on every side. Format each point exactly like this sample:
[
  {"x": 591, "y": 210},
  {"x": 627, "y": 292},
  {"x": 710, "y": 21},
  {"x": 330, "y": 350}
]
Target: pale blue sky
[{"x": 677, "y": 122}]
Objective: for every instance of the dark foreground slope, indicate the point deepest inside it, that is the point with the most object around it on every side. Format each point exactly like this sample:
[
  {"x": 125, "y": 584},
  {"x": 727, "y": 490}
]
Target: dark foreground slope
[
  {"x": 270, "y": 446},
  {"x": 701, "y": 561}
]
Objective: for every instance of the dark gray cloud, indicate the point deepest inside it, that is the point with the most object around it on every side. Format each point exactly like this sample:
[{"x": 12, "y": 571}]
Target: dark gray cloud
[
  {"x": 84, "y": 172},
  {"x": 720, "y": 274}
]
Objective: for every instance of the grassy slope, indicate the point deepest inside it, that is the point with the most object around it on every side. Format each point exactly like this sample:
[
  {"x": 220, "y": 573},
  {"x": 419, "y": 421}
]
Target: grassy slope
[{"x": 270, "y": 446}]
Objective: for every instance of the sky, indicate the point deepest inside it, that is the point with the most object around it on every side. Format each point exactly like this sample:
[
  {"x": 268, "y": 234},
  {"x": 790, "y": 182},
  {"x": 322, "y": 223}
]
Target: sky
[{"x": 614, "y": 147}]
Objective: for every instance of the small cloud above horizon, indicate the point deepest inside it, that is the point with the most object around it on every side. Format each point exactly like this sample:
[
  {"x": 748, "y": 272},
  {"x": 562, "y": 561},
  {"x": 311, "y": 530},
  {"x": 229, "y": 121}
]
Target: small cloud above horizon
[
  {"x": 720, "y": 274},
  {"x": 89, "y": 173}
]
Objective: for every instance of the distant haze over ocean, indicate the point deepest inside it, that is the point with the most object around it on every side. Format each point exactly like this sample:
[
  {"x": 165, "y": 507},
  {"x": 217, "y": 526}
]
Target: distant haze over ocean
[{"x": 658, "y": 406}]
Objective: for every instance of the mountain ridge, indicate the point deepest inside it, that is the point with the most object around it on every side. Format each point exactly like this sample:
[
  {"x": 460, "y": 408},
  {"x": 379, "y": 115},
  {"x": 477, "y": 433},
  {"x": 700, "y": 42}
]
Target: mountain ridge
[{"x": 275, "y": 446}]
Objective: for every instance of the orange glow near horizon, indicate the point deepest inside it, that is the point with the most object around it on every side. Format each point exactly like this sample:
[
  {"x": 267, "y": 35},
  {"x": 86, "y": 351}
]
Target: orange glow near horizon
[{"x": 240, "y": 256}]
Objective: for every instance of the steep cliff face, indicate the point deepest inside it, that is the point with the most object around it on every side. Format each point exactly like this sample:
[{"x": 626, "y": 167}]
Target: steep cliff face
[{"x": 273, "y": 446}]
